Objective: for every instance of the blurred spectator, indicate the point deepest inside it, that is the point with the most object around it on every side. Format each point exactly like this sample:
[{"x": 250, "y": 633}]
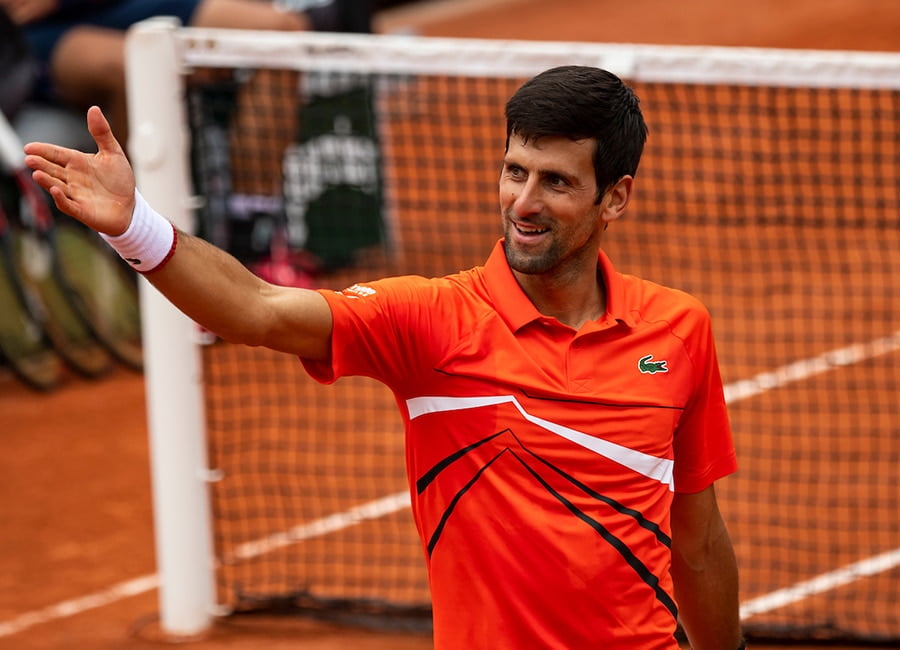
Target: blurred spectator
[{"x": 79, "y": 44}]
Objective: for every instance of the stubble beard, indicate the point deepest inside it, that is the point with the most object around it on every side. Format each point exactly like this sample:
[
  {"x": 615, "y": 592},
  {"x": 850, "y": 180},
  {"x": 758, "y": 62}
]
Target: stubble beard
[
  {"x": 554, "y": 257},
  {"x": 532, "y": 263}
]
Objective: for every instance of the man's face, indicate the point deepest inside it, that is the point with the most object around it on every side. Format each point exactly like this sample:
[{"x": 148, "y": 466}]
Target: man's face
[{"x": 548, "y": 192}]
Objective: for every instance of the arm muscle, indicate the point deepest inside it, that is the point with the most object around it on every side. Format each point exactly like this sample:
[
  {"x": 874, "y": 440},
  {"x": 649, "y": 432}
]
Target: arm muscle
[{"x": 705, "y": 572}]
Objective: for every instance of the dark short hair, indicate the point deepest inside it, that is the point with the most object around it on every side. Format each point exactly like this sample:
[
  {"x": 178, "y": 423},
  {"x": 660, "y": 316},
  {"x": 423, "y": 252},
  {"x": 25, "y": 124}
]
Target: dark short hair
[{"x": 580, "y": 102}]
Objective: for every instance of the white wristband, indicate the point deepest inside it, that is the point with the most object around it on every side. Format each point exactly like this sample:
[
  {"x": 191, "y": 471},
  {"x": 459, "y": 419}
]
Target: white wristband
[{"x": 149, "y": 241}]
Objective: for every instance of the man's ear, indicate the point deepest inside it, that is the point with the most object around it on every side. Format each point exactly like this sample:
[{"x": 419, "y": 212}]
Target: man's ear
[{"x": 616, "y": 199}]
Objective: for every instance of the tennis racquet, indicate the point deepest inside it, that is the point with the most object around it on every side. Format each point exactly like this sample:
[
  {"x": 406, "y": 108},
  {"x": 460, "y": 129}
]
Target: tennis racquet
[
  {"x": 23, "y": 342},
  {"x": 105, "y": 290},
  {"x": 83, "y": 280},
  {"x": 36, "y": 263},
  {"x": 33, "y": 257}
]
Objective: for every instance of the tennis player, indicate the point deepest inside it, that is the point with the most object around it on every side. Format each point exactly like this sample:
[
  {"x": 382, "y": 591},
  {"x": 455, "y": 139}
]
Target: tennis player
[{"x": 565, "y": 423}]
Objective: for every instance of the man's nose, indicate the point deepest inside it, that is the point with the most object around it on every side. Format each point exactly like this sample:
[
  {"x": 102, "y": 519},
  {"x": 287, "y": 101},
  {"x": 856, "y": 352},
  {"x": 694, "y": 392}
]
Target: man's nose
[{"x": 528, "y": 199}]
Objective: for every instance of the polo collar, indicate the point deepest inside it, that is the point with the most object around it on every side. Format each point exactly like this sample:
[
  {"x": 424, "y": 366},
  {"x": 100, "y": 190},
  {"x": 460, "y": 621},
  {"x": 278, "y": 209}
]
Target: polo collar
[{"x": 517, "y": 310}]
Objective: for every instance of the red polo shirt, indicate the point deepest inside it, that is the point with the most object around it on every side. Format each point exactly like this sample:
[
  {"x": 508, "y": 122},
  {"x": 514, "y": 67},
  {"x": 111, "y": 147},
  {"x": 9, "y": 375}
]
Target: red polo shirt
[{"x": 542, "y": 460}]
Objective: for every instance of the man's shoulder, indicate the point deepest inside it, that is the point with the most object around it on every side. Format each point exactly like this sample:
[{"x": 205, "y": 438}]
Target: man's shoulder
[
  {"x": 449, "y": 293},
  {"x": 461, "y": 281},
  {"x": 657, "y": 301}
]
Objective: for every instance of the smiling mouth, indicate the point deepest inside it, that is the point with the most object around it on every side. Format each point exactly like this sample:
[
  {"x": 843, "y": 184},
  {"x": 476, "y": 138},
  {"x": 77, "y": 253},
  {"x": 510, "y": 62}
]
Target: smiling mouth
[{"x": 529, "y": 230}]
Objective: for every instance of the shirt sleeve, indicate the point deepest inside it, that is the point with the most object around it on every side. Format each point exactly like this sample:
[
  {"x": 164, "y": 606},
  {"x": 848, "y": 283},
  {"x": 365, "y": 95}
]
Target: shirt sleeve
[
  {"x": 381, "y": 329},
  {"x": 703, "y": 445}
]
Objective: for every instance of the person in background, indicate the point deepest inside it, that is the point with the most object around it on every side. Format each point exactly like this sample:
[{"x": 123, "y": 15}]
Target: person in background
[
  {"x": 565, "y": 423},
  {"x": 80, "y": 44}
]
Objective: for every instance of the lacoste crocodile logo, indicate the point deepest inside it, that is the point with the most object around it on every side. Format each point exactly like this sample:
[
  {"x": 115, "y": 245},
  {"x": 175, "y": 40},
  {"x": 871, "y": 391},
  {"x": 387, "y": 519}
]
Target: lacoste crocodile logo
[{"x": 649, "y": 367}]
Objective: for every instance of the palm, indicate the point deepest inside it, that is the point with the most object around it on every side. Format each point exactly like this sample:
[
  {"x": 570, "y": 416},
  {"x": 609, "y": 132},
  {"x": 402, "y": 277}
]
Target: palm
[
  {"x": 102, "y": 186},
  {"x": 97, "y": 189}
]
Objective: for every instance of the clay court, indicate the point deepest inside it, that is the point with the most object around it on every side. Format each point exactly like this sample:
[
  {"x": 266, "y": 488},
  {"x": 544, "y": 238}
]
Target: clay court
[{"x": 78, "y": 568}]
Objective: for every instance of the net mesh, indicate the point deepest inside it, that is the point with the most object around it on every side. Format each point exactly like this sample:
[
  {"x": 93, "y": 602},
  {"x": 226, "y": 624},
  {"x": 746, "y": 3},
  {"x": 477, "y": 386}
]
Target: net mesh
[{"x": 775, "y": 203}]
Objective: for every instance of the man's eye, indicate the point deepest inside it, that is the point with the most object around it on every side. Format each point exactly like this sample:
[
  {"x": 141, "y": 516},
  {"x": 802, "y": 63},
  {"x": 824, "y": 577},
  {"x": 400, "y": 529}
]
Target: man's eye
[{"x": 556, "y": 181}]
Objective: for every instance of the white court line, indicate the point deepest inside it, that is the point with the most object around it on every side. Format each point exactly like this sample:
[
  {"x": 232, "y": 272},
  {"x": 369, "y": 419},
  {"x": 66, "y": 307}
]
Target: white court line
[
  {"x": 338, "y": 521},
  {"x": 821, "y": 583},
  {"x": 386, "y": 505},
  {"x": 806, "y": 368},
  {"x": 78, "y": 605}
]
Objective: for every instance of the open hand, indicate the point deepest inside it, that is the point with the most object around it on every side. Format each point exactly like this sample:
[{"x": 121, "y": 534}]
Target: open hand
[{"x": 97, "y": 189}]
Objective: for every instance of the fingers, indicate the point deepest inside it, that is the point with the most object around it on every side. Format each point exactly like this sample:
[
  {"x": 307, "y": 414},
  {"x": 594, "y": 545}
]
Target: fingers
[
  {"x": 46, "y": 172},
  {"x": 48, "y": 164},
  {"x": 101, "y": 131},
  {"x": 57, "y": 191},
  {"x": 37, "y": 153},
  {"x": 53, "y": 159},
  {"x": 46, "y": 180}
]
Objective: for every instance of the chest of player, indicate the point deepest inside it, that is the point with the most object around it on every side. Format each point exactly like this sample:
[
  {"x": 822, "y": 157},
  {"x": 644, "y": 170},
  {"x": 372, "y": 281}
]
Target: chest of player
[
  {"x": 615, "y": 393},
  {"x": 612, "y": 364}
]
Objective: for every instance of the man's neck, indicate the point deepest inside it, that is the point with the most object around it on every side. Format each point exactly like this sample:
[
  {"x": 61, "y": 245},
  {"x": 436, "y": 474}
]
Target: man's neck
[{"x": 571, "y": 301}]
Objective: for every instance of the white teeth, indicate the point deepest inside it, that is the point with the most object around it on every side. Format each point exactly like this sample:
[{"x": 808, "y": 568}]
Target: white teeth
[{"x": 530, "y": 231}]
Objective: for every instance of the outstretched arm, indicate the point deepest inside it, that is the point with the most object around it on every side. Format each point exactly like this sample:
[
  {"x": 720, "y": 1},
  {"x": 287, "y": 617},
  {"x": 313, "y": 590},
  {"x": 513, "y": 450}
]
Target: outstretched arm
[
  {"x": 705, "y": 572},
  {"x": 204, "y": 282}
]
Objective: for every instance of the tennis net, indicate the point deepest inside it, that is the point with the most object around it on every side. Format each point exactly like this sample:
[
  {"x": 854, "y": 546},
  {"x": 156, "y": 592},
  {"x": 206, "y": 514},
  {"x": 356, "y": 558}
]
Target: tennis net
[{"x": 770, "y": 189}]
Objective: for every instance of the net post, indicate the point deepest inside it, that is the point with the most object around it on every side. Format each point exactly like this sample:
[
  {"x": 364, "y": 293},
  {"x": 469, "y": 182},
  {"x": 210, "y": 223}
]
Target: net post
[{"x": 158, "y": 149}]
